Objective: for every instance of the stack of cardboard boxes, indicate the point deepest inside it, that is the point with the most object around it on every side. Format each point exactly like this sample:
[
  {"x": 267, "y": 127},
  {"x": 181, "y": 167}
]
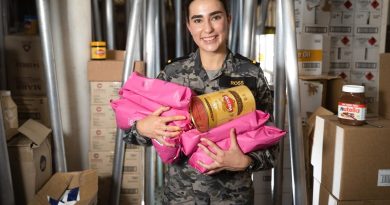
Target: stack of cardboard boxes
[
  {"x": 105, "y": 78},
  {"x": 351, "y": 163},
  {"x": 26, "y": 79},
  {"x": 343, "y": 38}
]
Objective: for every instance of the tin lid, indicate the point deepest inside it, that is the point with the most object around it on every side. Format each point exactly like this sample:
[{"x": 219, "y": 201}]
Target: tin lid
[
  {"x": 98, "y": 43},
  {"x": 353, "y": 89}
]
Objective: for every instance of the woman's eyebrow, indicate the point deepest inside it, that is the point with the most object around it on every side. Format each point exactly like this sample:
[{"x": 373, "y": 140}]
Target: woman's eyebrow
[{"x": 211, "y": 14}]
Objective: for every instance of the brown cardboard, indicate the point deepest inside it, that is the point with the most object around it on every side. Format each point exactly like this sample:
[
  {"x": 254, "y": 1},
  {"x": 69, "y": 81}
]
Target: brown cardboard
[
  {"x": 24, "y": 65},
  {"x": 352, "y": 162},
  {"x": 102, "y": 162},
  {"x": 30, "y": 160},
  {"x": 110, "y": 69},
  {"x": 384, "y": 85},
  {"x": 332, "y": 86},
  {"x": 321, "y": 196},
  {"x": 36, "y": 108},
  {"x": 103, "y": 92},
  {"x": 86, "y": 180}
]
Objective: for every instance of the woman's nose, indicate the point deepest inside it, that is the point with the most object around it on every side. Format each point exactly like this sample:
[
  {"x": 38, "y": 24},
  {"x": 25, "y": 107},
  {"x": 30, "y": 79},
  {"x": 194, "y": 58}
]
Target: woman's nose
[{"x": 208, "y": 27}]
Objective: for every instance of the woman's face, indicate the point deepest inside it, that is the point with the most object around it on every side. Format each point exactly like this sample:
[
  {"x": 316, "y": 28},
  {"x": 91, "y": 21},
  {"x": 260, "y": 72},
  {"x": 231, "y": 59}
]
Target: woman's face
[{"x": 208, "y": 24}]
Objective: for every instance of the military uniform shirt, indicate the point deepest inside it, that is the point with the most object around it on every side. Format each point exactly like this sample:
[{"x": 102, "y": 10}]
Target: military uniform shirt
[{"x": 185, "y": 185}]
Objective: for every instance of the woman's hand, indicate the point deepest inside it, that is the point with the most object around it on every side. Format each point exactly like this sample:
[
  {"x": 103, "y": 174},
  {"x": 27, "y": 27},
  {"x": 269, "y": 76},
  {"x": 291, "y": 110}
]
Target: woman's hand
[
  {"x": 155, "y": 127},
  {"x": 233, "y": 159}
]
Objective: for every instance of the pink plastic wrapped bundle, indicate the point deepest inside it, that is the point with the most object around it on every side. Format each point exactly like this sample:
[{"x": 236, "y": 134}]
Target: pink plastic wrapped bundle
[
  {"x": 140, "y": 96},
  {"x": 261, "y": 138},
  {"x": 248, "y": 122}
]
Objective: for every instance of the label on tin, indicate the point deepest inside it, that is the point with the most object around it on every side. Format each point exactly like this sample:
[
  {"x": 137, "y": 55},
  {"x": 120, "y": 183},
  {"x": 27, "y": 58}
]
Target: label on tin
[
  {"x": 226, "y": 105},
  {"x": 98, "y": 53},
  {"x": 352, "y": 111}
]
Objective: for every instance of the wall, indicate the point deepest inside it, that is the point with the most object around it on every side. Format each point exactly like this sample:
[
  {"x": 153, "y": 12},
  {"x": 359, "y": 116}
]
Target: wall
[{"x": 71, "y": 28}]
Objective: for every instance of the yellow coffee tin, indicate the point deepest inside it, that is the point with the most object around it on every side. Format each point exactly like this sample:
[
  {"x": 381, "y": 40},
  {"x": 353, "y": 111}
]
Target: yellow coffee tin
[
  {"x": 216, "y": 108},
  {"x": 98, "y": 50}
]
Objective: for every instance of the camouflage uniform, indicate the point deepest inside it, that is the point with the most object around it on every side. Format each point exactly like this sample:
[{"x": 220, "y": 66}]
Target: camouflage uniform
[{"x": 184, "y": 185}]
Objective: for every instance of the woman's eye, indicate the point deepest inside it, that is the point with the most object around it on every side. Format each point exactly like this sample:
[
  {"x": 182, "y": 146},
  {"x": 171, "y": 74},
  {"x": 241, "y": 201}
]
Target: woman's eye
[
  {"x": 197, "y": 21},
  {"x": 216, "y": 17}
]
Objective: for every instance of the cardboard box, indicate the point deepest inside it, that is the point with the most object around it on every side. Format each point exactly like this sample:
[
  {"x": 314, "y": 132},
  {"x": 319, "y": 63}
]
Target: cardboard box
[
  {"x": 332, "y": 86},
  {"x": 102, "y": 162},
  {"x": 104, "y": 140},
  {"x": 384, "y": 85},
  {"x": 104, "y": 92},
  {"x": 313, "y": 54},
  {"x": 30, "y": 159},
  {"x": 86, "y": 181},
  {"x": 36, "y": 108},
  {"x": 311, "y": 93},
  {"x": 110, "y": 69},
  {"x": 24, "y": 65},
  {"x": 322, "y": 196},
  {"x": 126, "y": 199},
  {"x": 352, "y": 161},
  {"x": 102, "y": 116}
]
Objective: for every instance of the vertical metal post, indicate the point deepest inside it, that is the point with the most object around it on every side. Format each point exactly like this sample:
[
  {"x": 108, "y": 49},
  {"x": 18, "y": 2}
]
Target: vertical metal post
[
  {"x": 264, "y": 13},
  {"x": 110, "y": 25},
  {"x": 97, "y": 24},
  {"x": 151, "y": 59},
  {"x": 179, "y": 28},
  {"x": 3, "y": 29},
  {"x": 164, "y": 40},
  {"x": 234, "y": 25},
  {"x": 131, "y": 42},
  {"x": 279, "y": 103},
  {"x": 294, "y": 119},
  {"x": 51, "y": 84},
  {"x": 6, "y": 188},
  {"x": 247, "y": 26}
]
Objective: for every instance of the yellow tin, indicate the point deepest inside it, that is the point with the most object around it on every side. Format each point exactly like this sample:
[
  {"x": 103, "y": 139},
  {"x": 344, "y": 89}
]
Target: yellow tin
[
  {"x": 98, "y": 50},
  {"x": 216, "y": 108}
]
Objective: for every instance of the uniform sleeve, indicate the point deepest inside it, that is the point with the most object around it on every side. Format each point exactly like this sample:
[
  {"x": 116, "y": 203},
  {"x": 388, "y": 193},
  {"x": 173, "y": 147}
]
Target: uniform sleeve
[
  {"x": 264, "y": 159},
  {"x": 132, "y": 136}
]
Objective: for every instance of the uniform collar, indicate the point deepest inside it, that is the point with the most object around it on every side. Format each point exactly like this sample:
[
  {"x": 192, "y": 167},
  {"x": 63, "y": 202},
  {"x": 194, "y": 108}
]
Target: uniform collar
[{"x": 201, "y": 72}]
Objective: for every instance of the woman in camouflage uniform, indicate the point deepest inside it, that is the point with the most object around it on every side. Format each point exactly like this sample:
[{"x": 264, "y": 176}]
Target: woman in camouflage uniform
[{"x": 211, "y": 68}]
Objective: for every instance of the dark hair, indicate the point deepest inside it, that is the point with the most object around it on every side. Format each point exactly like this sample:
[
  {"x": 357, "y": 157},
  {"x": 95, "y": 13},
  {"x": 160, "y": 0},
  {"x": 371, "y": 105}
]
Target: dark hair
[{"x": 187, "y": 8}]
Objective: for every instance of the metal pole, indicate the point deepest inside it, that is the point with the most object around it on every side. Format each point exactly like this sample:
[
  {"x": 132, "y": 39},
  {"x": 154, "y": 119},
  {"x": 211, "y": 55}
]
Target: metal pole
[
  {"x": 6, "y": 188},
  {"x": 279, "y": 103},
  {"x": 132, "y": 30},
  {"x": 97, "y": 24},
  {"x": 3, "y": 29},
  {"x": 247, "y": 26},
  {"x": 295, "y": 123},
  {"x": 164, "y": 40},
  {"x": 151, "y": 59},
  {"x": 178, "y": 28},
  {"x": 264, "y": 13},
  {"x": 110, "y": 25},
  {"x": 51, "y": 84},
  {"x": 233, "y": 35}
]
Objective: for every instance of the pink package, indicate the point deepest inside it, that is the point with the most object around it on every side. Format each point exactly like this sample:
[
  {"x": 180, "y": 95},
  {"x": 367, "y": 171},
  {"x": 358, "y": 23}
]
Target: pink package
[
  {"x": 260, "y": 138},
  {"x": 135, "y": 107},
  {"x": 248, "y": 122},
  {"x": 141, "y": 96},
  {"x": 163, "y": 92}
]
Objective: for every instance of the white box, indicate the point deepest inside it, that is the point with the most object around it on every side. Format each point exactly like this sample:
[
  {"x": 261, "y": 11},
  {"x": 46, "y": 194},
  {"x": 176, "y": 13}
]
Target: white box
[
  {"x": 102, "y": 116},
  {"x": 313, "y": 50},
  {"x": 103, "y": 92},
  {"x": 311, "y": 93},
  {"x": 371, "y": 83}
]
